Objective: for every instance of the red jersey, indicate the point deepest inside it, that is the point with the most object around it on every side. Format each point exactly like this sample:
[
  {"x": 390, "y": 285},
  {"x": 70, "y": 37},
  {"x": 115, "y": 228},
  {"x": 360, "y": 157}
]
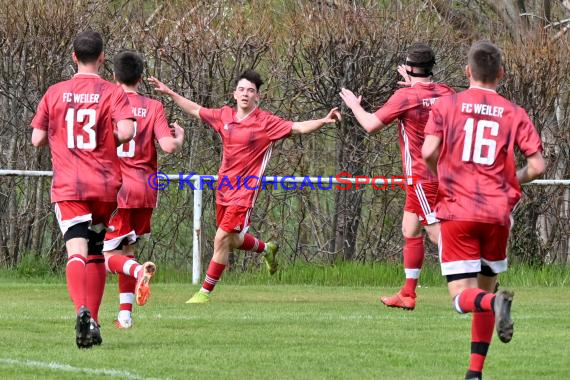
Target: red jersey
[
  {"x": 411, "y": 107},
  {"x": 138, "y": 156},
  {"x": 80, "y": 115},
  {"x": 247, "y": 147},
  {"x": 476, "y": 168}
]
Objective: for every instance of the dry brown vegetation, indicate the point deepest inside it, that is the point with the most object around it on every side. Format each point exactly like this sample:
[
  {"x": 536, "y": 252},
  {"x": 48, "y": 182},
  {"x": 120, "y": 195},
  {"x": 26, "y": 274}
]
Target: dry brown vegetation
[{"x": 306, "y": 51}]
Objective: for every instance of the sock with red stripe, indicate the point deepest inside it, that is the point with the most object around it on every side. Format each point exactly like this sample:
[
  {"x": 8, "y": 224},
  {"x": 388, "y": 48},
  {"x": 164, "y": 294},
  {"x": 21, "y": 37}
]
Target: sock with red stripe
[
  {"x": 482, "y": 326},
  {"x": 123, "y": 264},
  {"x": 413, "y": 261},
  {"x": 75, "y": 276},
  {"x": 127, "y": 285},
  {"x": 473, "y": 299},
  {"x": 96, "y": 274},
  {"x": 213, "y": 275},
  {"x": 251, "y": 243}
]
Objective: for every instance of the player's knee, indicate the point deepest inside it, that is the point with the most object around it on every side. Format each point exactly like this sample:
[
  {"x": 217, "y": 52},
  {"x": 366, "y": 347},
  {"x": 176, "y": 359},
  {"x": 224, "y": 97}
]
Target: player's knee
[
  {"x": 409, "y": 233},
  {"x": 95, "y": 244},
  {"x": 79, "y": 230},
  {"x": 222, "y": 238}
]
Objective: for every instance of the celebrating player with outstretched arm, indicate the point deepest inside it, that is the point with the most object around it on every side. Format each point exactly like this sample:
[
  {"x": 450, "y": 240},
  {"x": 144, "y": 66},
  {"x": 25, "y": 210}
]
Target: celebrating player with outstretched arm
[
  {"x": 136, "y": 200},
  {"x": 247, "y": 134},
  {"x": 470, "y": 142},
  {"x": 411, "y": 107},
  {"x": 78, "y": 117}
]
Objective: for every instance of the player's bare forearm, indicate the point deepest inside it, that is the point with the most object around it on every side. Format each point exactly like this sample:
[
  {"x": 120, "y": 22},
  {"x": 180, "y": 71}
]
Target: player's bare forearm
[
  {"x": 125, "y": 131},
  {"x": 304, "y": 127},
  {"x": 171, "y": 144},
  {"x": 430, "y": 152},
  {"x": 39, "y": 138},
  {"x": 534, "y": 168},
  {"x": 431, "y": 162},
  {"x": 367, "y": 120},
  {"x": 185, "y": 104}
]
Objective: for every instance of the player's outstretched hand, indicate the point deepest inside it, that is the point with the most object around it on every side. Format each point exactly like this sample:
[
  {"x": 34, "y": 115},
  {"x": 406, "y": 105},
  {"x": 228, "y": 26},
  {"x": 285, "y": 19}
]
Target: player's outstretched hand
[
  {"x": 407, "y": 82},
  {"x": 349, "y": 98},
  {"x": 159, "y": 86},
  {"x": 177, "y": 130},
  {"x": 333, "y": 116}
]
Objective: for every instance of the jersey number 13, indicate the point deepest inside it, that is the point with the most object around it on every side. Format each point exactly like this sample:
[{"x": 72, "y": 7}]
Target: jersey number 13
[{"x": 87, "y": 116}]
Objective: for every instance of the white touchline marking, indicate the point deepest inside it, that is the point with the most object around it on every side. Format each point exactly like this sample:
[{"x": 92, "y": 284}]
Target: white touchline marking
[{"x": 68, "y": 368}]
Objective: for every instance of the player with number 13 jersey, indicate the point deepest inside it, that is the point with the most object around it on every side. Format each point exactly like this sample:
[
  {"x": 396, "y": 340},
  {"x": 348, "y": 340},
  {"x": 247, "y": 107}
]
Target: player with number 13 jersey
[{"x": 89, "y": 106}]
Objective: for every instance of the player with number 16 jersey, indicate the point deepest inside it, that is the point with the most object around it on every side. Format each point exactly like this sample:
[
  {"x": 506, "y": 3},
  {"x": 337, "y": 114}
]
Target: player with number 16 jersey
[
  {"x": 478, "y": 183},
  {"x": 470, "y": 143}
]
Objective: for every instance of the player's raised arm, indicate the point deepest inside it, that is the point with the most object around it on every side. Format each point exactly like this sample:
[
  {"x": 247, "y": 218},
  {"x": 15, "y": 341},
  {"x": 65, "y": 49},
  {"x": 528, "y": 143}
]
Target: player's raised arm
[
  {"x": 367, "y": 120},
  {"x": 303, "y": 127},
  {"x": 187, "y": 105},
  {"x": 171, "y": 144}
]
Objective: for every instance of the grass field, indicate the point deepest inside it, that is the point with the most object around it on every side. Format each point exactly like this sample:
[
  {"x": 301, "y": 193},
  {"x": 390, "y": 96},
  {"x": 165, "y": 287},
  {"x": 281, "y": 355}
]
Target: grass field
[{"x": 278, "y": 332}]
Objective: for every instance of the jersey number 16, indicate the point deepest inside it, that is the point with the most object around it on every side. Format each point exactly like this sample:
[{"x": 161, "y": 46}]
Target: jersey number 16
[{"x": 480, "y": 141}]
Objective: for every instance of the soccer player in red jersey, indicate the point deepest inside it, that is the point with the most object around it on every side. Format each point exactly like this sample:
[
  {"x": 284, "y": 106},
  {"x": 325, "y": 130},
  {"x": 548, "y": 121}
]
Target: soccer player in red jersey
[
  {"x": 82, "y": 120},
  {"x": 247, "y": 134},
  {"x": 136, "y": 199},
  {"x": 470, "y": 144},
  {"x": 410, "y": 106}
]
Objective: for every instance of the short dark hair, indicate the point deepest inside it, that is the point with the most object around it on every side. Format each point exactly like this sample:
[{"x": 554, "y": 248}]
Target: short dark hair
[
  {"x": 485, "y": 61},
  {"x": 252, "y": 76},
  {"x": 88, "y": 46},
  {"x": 128, "y": 66},
  {"x": 421, "y": 56}
]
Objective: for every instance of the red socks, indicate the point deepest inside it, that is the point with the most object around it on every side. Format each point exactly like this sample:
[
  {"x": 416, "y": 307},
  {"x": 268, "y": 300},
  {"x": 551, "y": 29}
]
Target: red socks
[
  {"x": 95, "y": 274},
  {"x": 76, "y": 281},
  {"x": 472, "y": 300},
  {"x": 482, "y": 326},
  {"x": 251, "y": 243},
  {"x": 480, "y": 303},
  {"x": 127, "y": 285},
  {"x": 123, "y": 264},
  {"x": 413, "y": 261},
  {"x": 213, "y": 275}
]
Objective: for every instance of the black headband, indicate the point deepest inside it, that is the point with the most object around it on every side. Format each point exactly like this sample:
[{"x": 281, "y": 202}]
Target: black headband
[{"x": 430, "y": 63}]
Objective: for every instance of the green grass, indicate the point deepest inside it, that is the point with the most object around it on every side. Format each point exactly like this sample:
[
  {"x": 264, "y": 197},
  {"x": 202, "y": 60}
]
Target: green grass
[
  {"x": 278, "y": 332},
  {"x": 341, "y": 274}
]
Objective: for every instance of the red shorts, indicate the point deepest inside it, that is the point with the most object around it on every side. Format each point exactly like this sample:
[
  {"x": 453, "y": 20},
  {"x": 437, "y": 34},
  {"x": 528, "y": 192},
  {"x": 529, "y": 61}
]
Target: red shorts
[
  {"x": 70, "y": 213},
  {"x": 420, "y": 200},
  {"x": 465, "y": 246},
  {"x": 129, "y": 224},
  {"x": 234, "y": 219}
]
